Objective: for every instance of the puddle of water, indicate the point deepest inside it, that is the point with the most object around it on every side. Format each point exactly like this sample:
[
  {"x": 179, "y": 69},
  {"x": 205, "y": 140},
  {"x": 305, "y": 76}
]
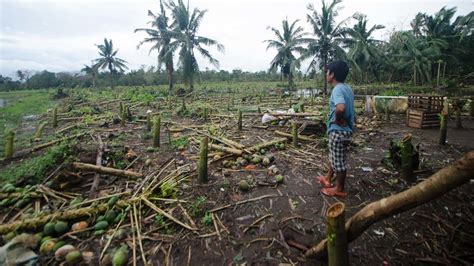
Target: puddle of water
[{"x": 2, "y": 103}]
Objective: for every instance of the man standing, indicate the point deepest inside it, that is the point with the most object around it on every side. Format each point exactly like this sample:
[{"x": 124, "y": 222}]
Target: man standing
[{"x": 340, "y": 124}]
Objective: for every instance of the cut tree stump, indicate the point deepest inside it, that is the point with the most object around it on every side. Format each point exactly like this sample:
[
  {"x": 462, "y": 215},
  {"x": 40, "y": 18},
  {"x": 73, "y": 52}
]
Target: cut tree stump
[
  {"x": 338, "y": 254},
  {"x": 441, "y": 182}
]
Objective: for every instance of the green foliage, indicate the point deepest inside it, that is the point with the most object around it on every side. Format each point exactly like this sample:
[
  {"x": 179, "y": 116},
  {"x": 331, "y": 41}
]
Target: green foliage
[
  {"x": 36, "y": 167},
  {"x": 168, "y": 189},
  {"x": 196, "y": 206},
  {"x": 180, "y": 142},
  {"x": 207, "y": 219}
]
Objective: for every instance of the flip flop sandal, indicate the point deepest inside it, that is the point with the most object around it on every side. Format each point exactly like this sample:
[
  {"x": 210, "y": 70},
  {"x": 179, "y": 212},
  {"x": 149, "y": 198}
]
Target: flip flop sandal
[
  {"x": 331, "y": 192},
  {"x": 322, "y": 180}
]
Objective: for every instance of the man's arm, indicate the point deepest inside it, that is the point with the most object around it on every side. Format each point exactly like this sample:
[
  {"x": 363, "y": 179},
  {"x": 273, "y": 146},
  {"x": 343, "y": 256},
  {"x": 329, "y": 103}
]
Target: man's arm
[{"x": 340, "y": 109}]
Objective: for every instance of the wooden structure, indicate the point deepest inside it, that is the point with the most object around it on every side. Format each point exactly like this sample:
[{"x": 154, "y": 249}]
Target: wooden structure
[{"x": 423, "y": 110}]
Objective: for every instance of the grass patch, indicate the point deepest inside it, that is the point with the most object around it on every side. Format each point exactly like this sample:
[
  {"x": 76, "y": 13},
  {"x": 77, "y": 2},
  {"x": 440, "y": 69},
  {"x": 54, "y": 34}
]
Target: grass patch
[{"x": 37, "y": 167}]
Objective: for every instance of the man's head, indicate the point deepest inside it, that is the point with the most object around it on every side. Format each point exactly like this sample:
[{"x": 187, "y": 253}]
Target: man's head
[{"x": 337, "y": 72}]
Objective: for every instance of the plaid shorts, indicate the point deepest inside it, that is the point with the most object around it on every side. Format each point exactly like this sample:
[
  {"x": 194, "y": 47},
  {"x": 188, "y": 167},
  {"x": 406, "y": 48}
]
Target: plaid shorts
[{"x": 338, "y": 142}]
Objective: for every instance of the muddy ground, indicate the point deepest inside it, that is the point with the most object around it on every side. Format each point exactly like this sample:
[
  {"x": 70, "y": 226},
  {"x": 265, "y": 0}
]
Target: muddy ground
[{"x": 264, "y": 232}]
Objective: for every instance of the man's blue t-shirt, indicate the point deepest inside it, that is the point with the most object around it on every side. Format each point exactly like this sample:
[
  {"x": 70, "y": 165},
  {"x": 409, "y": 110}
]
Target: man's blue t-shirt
[{"x": 341, "y": 93}]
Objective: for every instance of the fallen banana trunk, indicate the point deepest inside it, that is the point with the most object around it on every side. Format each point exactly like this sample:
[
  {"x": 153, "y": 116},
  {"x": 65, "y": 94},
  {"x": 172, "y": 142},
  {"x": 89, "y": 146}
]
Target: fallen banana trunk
[
  {"x": 226, "y": 149},
  {"x": 15, "y": 195},
  {"x": 106, "y": 170},
  {"x": 61, "y": 215},
  {"x": 446, "y": 179},
  {"x": 266, "y": 144},
  {"x": 51, "y": 143},
  {"x": 300, "y": 137}
]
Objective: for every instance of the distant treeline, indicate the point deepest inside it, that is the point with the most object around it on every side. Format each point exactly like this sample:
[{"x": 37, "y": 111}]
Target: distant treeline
[{"x": 140, "y": 77}]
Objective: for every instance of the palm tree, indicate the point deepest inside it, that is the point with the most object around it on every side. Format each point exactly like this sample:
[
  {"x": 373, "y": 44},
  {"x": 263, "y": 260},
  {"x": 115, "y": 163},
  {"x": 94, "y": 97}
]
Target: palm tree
[
  {"x": 92, "y": 71},
  {"x": 109, "y": 60},
  {"x": 363, "y": 49},
  {"x": 328, "y": 37},
  {"x": 159, "y": 35},
  {"x": 286, "y": 44},
  {"x": 185, "y": 38}
]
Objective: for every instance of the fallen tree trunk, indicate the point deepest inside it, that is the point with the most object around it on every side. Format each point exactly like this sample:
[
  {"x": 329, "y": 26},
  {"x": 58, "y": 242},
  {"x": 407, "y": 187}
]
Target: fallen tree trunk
[
  {"x": 106, "y": 170},
  {"x": 441, "y": 182},
  {"x": 60, "y": 215},
  {"x": 51, "y": 143}
]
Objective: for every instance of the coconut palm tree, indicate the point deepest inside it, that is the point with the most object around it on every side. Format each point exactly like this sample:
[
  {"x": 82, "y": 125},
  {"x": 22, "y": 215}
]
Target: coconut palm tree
[
  {"x": 159, "y": 35},
  {"x": 328, "y": 34},
  {"x": 185, "y": 38},
  {"x": 287, "y": 43},
  {"x": 91, "y": 70},
  {"x": 109, "y": 60},
  {"x": 363, "y": 49}
]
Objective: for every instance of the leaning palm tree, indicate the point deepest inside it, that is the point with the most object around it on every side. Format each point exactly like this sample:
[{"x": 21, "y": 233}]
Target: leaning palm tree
[
  {"x": 91, "y": 70},
  {"x": 185, "y": 37},
  {"x": 287, "y": 43},
  {"x": 159, "y": 35},
  {"x": 364, "y": 50},
  {"x": 328, "y": 34},
  {"x": 109, "y": 59}
]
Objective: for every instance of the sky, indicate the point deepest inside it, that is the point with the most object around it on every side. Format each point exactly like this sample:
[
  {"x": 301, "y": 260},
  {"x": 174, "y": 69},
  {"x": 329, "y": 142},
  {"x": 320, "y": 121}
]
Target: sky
[{"x": 61, "y": 35}]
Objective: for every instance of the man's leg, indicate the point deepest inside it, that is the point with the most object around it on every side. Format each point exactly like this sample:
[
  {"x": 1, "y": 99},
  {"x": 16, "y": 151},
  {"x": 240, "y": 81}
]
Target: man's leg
[
  {"x": 330, "y": 173},
  {"x": 340, "y": 181}
]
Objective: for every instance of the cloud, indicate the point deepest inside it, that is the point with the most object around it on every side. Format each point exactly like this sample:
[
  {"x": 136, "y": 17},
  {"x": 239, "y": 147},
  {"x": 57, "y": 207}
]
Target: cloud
[{"x": 61, "y": 35}]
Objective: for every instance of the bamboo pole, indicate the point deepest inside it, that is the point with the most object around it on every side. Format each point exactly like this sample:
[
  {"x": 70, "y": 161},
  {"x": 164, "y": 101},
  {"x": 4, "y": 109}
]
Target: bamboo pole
[
  {"x": 106, "y": 170},
  {"x": 441, "y": 182},
  {"x": 338, "y": 254},
  {"x": 202, "y": 167},
  {"x": 51, "y": 143}
]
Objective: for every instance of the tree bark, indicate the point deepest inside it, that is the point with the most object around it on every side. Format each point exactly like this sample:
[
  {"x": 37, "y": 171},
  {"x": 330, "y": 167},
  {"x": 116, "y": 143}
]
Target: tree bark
[
  {"x": 441, "y": 182},
  {"x": 325, "y": 70},
  {"x": 202, "y": 167},
  {"x": 338, "y": 254}
]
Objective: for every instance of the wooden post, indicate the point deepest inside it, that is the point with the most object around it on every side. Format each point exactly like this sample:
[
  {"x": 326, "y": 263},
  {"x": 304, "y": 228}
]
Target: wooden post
[
  {"x": 443, "y": 127},
  {"x": 156, "y": 131},
  {"x": 202, "y": 167},
  {"x": 149, "y": 124},
  {"x": 121, "y": 108},
  {"x": 10, "y": 139},
  {"x": 239, "y": 122},
  {"x": 407, "y": 158},
  {"x": 336, "y": 235},
  {"x": 55, "y": 117},
  {"x": 122, "y": 117},
  {"x": 295, "y": 134}
]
